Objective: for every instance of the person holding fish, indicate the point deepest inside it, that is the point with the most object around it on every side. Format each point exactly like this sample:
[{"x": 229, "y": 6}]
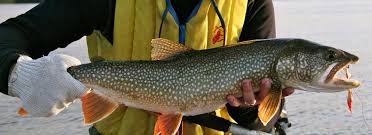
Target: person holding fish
[{"x": 123, "y": 30}]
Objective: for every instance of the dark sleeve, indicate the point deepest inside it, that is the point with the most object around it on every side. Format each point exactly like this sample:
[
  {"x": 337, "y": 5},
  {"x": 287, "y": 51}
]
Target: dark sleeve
[
  {"x": 209, "y": 120},
  {"x": 48, "y": 26},
  {"x": 259, "y": 21}
]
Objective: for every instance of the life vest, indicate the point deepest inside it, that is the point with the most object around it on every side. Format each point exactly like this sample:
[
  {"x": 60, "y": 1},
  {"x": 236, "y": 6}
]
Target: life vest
[{"x": 212, "y": 23}]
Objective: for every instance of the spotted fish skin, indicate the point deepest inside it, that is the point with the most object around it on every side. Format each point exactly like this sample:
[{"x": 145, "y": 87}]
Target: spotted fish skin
[{"x": 195, "y": 82}]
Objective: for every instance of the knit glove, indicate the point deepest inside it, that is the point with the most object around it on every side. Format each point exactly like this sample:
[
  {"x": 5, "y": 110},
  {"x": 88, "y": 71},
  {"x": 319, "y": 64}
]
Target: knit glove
[{"x": 44, "y": 85}]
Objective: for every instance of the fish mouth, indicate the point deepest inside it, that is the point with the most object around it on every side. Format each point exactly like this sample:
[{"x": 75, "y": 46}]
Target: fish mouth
[{"x": 339, "y": 76}]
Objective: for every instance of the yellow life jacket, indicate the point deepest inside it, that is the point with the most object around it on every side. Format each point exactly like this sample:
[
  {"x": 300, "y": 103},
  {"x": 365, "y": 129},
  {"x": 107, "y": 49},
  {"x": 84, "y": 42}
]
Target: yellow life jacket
[{"x": 212, "y": 23}]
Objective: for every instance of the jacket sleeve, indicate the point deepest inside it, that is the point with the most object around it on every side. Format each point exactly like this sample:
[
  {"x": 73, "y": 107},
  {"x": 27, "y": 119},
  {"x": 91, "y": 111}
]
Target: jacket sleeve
[
  {"x": 48, "y": 26},
  {"x": 259, "y": 21},
  {"x": 209, "y": 120}
]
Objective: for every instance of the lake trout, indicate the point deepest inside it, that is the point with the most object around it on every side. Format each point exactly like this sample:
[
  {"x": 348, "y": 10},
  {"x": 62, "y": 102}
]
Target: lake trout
[{"x": 180, "y": 81}]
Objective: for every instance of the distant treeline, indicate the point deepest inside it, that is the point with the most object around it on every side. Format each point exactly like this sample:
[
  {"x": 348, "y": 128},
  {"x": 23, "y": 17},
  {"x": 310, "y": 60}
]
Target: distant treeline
[{"x": 20, "y": 1}]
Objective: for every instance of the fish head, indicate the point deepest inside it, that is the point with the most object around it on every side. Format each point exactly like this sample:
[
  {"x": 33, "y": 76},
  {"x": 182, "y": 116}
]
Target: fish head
[{"x": 309, "y": 66}]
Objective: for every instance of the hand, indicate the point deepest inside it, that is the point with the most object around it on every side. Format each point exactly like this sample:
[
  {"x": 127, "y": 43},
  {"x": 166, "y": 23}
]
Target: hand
[
  {"x": 244, "y": 110},
  {"x": 250, "y": 98},
  {"x": 43, "y": 85}
]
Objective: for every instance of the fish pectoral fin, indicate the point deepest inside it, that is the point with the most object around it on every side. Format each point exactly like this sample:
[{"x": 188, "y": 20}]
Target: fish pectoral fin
[
  {"x": 22, "y": 112},
  {"x": 164, "y": 48},
  {"x": 96, "y": 107},
  {"x": 157, "y": 129},
  {"x": 167, "y": 124},
  {"x": 269, "y": 106}
]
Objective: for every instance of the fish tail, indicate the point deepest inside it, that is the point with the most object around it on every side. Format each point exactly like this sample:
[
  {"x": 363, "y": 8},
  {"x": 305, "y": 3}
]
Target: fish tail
[{"x": 96, "y": 107}]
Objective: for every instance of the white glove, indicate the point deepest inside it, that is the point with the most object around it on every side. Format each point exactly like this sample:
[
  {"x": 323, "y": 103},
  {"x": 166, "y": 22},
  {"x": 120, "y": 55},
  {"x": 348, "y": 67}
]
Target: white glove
[
  {"x": 238, "y": 130},
  {"x": 44, "y": 85}
]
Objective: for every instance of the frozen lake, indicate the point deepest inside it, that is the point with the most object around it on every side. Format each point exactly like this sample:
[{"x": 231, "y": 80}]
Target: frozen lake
[{"x": 343, "y": 24}]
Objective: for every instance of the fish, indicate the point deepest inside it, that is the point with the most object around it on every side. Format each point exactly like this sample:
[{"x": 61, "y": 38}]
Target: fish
[{"x": 180, "y": 81}]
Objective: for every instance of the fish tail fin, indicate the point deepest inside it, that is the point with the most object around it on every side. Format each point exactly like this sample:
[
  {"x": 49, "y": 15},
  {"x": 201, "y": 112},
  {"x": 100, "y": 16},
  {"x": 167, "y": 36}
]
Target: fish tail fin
[
  {"x": 22, "y": 112},
  {"x": 96, "y": 107}
]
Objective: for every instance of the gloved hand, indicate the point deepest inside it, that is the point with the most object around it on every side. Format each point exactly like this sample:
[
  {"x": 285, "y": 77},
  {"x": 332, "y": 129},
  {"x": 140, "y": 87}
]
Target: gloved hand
[{"x": 44, "y": 85}]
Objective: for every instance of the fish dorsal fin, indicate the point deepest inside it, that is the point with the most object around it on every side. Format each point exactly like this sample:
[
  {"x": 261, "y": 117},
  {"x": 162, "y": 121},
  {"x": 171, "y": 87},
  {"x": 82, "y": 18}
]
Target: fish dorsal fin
[
  {"x": 164, "y": 48},
  {"x": 168, "y": 124},
  {"x": 269, "y": 106}
]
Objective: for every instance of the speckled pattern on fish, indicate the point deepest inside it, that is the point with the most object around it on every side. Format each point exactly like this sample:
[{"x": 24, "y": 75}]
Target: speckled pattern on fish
[{"x": 197, "y": 82}]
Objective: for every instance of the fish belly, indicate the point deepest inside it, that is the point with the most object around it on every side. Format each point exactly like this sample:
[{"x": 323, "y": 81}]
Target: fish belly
[{"x": 143, "y": 100}]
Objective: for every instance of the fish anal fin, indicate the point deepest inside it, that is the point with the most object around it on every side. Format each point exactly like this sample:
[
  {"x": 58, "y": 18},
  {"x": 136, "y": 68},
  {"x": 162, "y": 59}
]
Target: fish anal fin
[
  {"x": 269, "y": 106},
  {"x": 168, "y": 124},
  {"x": 96, "y": 107},
  {"x": 22, "y": 112},
  {"x": 164, "y": 48}
]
